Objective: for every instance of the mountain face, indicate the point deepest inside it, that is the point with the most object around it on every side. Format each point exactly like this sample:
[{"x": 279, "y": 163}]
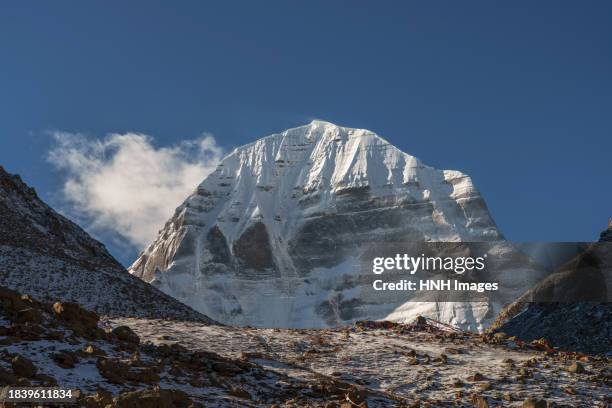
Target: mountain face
[
  {"x": 270, "y": 238},
  {"x": 47, "y": 256}
]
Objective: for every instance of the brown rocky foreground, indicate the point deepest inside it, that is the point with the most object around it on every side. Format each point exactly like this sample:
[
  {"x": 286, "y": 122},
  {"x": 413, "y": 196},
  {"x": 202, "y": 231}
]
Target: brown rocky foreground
[
  {"x": 424, "y": 364},
  {"x": 158, "y": 363}
]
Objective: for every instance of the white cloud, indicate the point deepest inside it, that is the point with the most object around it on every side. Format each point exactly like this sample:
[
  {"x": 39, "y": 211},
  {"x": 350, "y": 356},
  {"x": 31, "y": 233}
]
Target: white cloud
[{"x": 124, "y": 184}]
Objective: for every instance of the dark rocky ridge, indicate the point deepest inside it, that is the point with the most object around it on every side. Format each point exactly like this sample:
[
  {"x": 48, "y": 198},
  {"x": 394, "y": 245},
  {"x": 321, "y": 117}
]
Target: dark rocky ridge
[
  {"x": 26, "y": 222},
  {"x": 46, "y": 255},
  {"x": 584, "y": 326},
  {"x": 606, "y": 236}
]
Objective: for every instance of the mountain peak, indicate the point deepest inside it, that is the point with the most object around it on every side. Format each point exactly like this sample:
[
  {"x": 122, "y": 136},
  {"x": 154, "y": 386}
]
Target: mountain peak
[
  {"x": 313, "y": 131},
  {"x": 278, "y": 211},
  {"x": 319, "y": 122},
  {"x": 322, "y": 155}
]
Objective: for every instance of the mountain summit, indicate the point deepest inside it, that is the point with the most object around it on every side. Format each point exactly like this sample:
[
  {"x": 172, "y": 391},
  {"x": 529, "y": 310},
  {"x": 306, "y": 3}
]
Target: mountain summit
[{"x": 268, "y": 238}]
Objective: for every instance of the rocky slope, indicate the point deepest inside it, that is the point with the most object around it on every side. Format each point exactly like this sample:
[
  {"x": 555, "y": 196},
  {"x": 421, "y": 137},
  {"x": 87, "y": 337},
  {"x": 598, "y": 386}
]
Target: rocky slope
[
  {"x": 418, "y": 364},
  {"x": 172, "y": 364},
  {"x": 45, "y": 255},
  {"x": 64, "y": 345},
  {"x": 276, "y": 236},
  {"x": 583, "y": 321}
]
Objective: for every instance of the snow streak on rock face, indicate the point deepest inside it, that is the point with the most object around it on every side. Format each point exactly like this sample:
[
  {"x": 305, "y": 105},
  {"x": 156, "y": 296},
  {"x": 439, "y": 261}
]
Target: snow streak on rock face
[
  {"x": 49, "y": 257},
  {"x": 268, "y": 239}
]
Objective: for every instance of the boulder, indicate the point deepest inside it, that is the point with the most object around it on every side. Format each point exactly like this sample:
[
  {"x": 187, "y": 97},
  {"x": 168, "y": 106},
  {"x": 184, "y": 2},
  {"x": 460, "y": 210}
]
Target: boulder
[
  {"x": 155, "y": 398},
  {"x": 46, "y": 380},
  {"x": 81, "y": 321},
  {"x": 65, "y": 359},
  {"x": 28, "y": 315},
  {"x": 126, "y": 334},
  {"x": 28, "y": 331},
  {"x": 146, "y": 375},
  {"x": 576, "y": 368},
  {"x": 114, "y": 371},
  {"x": 7, "y": 378},
  {"x": 476, "y": 377},
  {"x": 119, "y": 372},
  {"x": 23, "y": 367},
  {"x": 534, "y": 403},
  {"x": 11, "y": 300},
  {"x": 226, "y": 368},
  {"x": 92, "y": 350}
]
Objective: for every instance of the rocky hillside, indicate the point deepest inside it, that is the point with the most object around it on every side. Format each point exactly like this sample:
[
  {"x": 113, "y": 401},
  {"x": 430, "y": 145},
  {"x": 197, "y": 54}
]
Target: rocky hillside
[
  {"x": 274, "y": 237},
  {"x": 47, "y": 256},
  {"x": 583, "y": 322}
]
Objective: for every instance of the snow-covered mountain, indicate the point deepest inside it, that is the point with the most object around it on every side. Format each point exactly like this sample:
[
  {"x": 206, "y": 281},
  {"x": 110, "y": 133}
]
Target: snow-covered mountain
[
  {"x": 272, "y": 236},
  {"x": 45, "y": 255}
]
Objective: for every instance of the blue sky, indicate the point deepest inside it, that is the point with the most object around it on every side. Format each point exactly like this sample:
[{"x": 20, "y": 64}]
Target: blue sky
[{"x": 516, "y": 94}]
